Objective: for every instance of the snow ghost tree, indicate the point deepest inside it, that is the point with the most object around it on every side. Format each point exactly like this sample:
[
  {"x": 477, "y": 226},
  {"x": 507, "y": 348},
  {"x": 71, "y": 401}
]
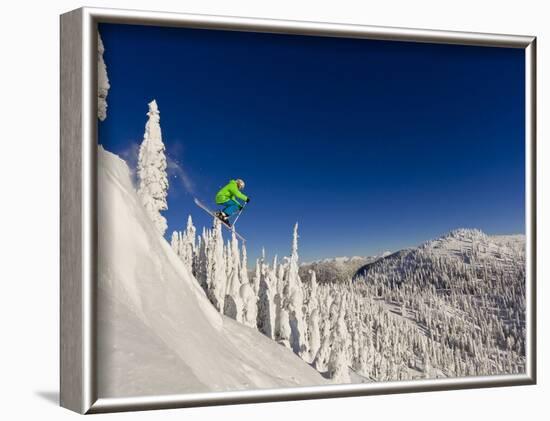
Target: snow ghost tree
[
  {"x": 102, "y": 81},
  {"x": 216, "y": 275},
  {"x": 184, "y": 244},
  {"x": 314, "y": 333},
  {"x": 200, "y": 260},
  {"x": 153, "y": 180},
  {"x": 266, "y": 303},
  {"x": 250, "y": 309},
  {"x": 233, "y": 305},
  {"x": 244, "y": 267},
  {"x": 189, "y": 243},
  {"x": 338, "y": 361},
  {"x": 323, "y": 354},
  {"x": 248, "y": 296},
  {"x": 294, "y": 297},
  {"x": 284, "y": 331}
]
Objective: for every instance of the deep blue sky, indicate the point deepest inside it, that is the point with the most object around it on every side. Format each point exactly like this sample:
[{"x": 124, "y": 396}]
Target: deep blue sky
[{"x": 369, "y": 145}]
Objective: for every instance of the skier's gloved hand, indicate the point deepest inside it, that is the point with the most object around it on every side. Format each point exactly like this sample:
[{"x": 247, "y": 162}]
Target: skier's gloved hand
[{"x": 247, "y": 199}]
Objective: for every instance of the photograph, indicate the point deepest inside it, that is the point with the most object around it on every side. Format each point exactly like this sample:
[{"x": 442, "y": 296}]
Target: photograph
[
  {"x": 275, "y": 210},
  {"x": 286, "y": 210}
]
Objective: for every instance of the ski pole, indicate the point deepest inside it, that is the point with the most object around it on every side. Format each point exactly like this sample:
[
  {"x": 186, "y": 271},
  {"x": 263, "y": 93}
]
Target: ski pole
[{"x": 239, "y": 214}]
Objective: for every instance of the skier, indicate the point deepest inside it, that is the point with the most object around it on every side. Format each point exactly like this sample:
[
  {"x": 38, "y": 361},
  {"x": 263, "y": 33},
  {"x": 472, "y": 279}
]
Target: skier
[{"x": 227, "y": 197}]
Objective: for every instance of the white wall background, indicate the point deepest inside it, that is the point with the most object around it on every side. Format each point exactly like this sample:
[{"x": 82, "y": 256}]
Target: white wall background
[{"x": 29, "y": 207}]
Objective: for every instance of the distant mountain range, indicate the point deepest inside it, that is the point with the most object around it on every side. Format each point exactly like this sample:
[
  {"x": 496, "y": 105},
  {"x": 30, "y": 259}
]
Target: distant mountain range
[{"x": 337, "y": 269}]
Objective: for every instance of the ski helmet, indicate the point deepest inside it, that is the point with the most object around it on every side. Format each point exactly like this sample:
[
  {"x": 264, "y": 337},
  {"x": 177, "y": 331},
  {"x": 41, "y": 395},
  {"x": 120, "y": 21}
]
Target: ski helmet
[{"x": 240, "y": 183}]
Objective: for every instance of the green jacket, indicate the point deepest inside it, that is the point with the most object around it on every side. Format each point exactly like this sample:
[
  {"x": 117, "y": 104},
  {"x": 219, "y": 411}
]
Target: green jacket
[{"x": 229, "y": 192}]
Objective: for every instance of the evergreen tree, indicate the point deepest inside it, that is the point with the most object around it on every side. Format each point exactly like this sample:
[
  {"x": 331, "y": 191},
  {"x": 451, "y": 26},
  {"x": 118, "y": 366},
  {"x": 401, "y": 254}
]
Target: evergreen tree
[
  {"x": 153, "y": 180},
  {"x": 233, "y": 305},
  {"x": 217, "y": 277},
  {"x": 338, "y": 365},
  {"x": 266, "y": 302},
  {"x": 312, "y": 316},
  {"x": 103, "y": 85},
  {"x": 250, "y": 309},
  {"x": 294, "y": 300}
]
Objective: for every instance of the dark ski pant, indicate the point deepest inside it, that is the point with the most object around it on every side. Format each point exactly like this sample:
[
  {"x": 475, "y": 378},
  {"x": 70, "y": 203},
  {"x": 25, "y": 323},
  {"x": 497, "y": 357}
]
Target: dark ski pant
[{"x": 230, "y": 207}]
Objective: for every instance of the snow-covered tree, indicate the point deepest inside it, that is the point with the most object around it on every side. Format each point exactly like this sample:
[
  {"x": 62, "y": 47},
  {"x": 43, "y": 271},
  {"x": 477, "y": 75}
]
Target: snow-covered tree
[
  {"x": 184, "y": 244},
  {"x": 338, "y": 365},
  {"x": 153, "y": 180},
  {"x": 294, "y": 300},
  {"x": 250, "y": 309},
  {"x": 216, "y": 275},
  {"x": 200, "y": 261},
  {"x": 175, "y": 242},
  {"x": 102, "y": 81},
  {"x": 244, "y": 266},
  {"x": 233, "y": 306},
  {"x": 312, "y": 318},
  {"x": 314, "y": 334},
  {"x": 284, "y": 331},
  {"x": 189, "y": 243},
  {"x": 266, "y": 302},
  {"x": 256, "y": 278},
  {"x": 329, "y": 313}
]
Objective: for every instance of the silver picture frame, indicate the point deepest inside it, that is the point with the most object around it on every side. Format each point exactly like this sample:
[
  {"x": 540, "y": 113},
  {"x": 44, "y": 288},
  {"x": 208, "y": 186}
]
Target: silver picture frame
[{"x": 78, "y": 196}]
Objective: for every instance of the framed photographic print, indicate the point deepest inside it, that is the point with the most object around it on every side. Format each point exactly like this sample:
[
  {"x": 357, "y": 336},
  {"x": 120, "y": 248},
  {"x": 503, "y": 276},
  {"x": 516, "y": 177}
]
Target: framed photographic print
[{"x": 257, "y": 210}]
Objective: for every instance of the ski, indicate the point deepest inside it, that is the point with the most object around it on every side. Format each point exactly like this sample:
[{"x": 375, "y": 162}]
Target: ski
[{"x": 230, "y": 228}]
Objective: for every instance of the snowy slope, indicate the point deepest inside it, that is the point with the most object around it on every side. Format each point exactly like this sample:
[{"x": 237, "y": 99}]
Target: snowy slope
[{"x": 158, "y": 333}]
